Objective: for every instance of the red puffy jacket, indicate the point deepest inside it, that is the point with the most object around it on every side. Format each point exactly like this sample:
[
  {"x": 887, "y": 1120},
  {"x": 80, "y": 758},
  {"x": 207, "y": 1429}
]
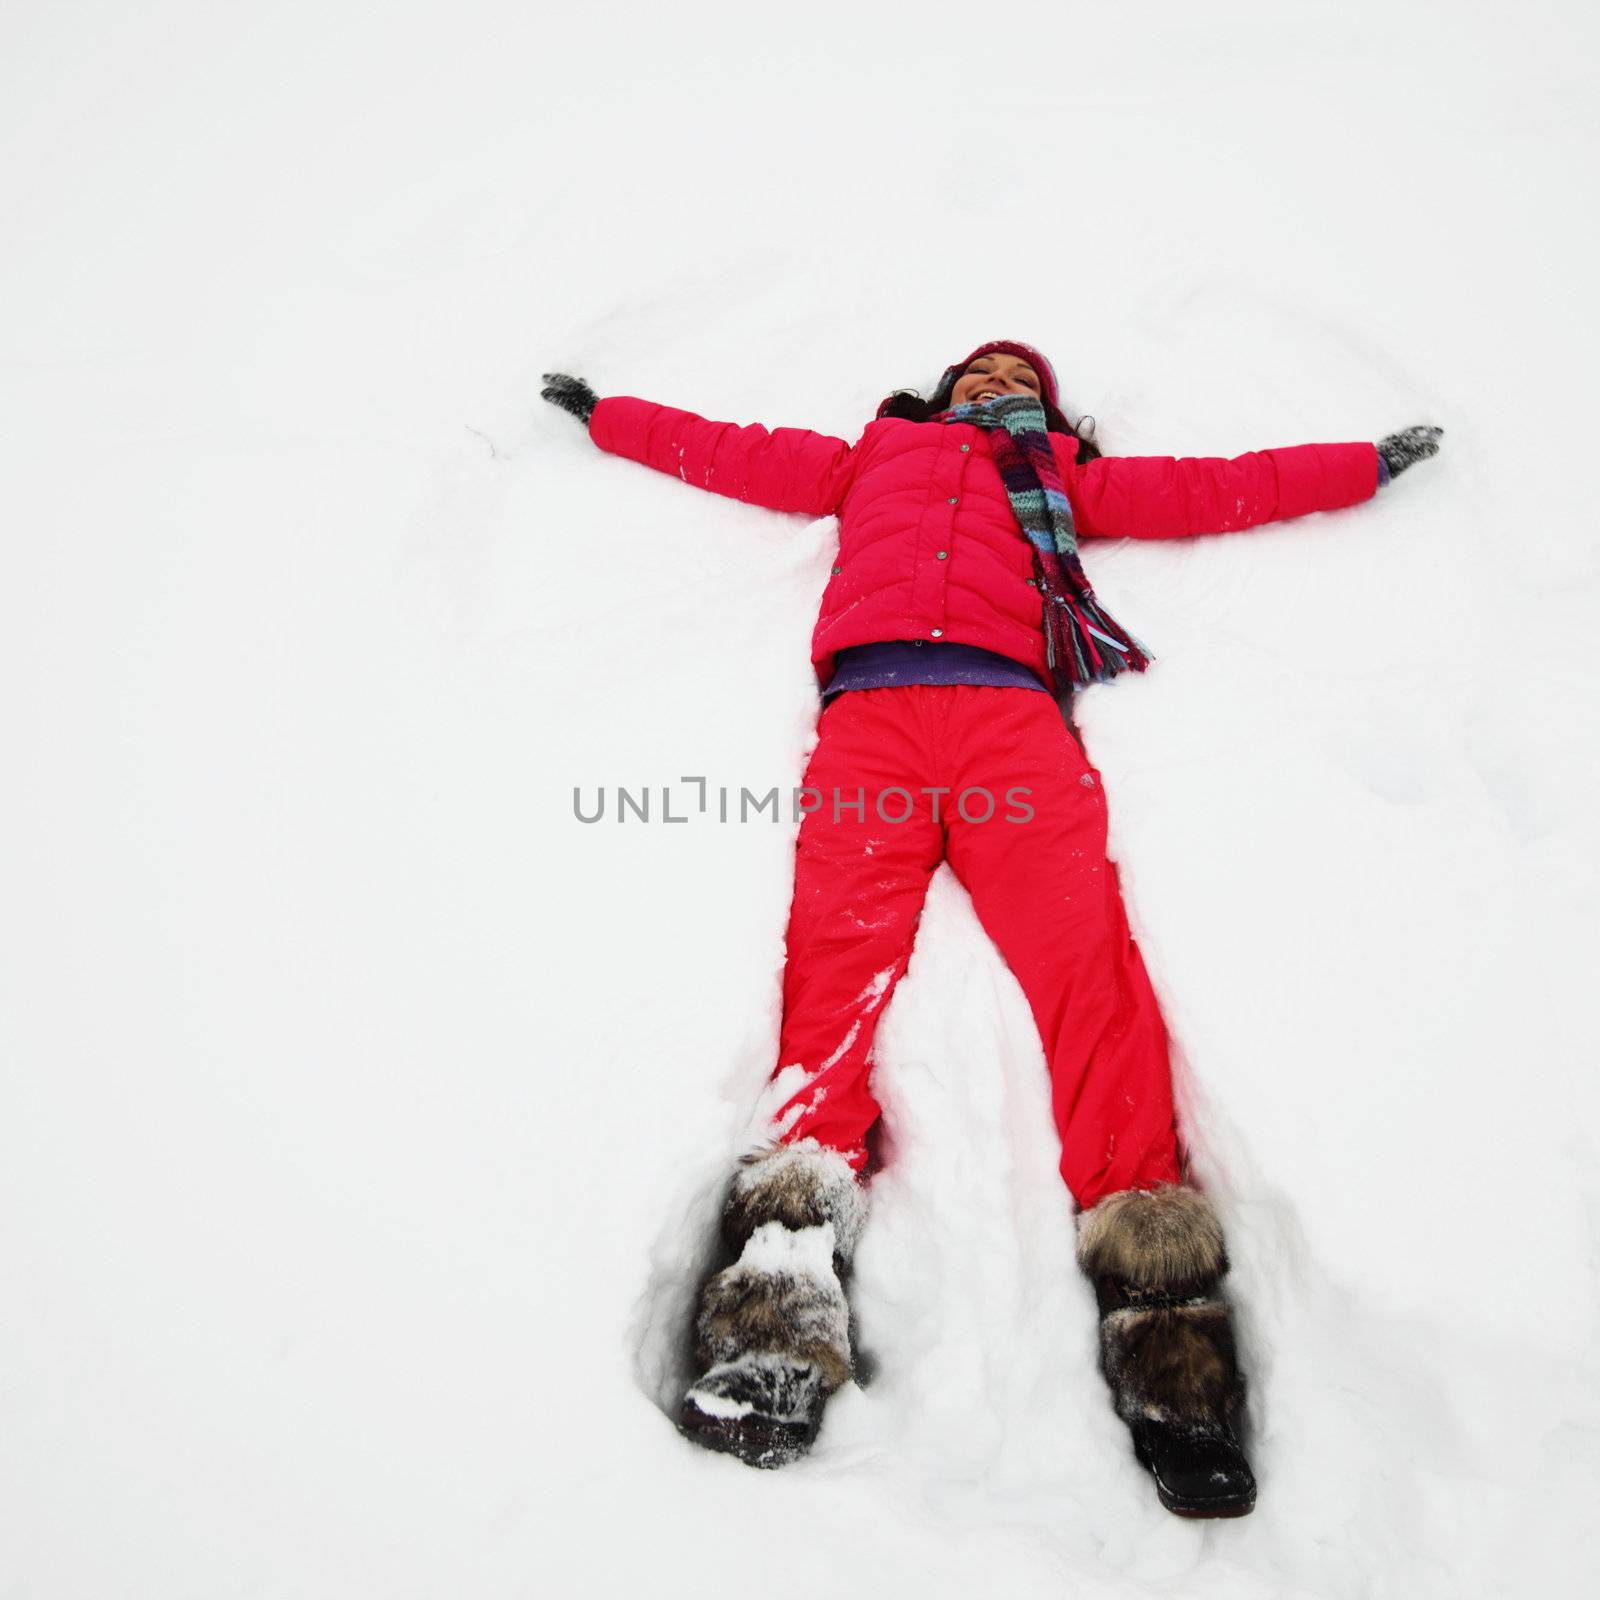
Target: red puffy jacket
[{"x": 928, "y": 545}]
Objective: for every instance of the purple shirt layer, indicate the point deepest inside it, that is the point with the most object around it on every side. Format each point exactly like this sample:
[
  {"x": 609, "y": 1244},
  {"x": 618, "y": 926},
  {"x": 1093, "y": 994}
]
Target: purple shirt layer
[{"x": 896, "y": 662}]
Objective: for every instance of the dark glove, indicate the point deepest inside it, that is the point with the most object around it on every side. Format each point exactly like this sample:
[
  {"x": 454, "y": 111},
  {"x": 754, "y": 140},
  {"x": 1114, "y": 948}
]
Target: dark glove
[
  {"x": 571, "y": 394},
  {"x": 1397, "y": 451}
]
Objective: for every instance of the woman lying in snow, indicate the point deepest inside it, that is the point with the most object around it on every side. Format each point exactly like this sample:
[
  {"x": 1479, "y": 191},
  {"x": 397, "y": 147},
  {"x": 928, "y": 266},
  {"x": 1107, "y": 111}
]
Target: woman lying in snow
[{"x": 957, "y": 623}]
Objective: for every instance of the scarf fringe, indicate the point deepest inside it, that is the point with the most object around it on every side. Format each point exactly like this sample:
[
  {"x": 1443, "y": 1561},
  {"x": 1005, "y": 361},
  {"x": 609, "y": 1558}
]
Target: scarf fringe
[{"x": 1082, "y": 637}]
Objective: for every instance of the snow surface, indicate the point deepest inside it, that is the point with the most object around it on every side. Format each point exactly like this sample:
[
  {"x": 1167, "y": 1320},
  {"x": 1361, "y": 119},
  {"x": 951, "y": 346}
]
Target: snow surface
[{"x": 365, "y": 1114}]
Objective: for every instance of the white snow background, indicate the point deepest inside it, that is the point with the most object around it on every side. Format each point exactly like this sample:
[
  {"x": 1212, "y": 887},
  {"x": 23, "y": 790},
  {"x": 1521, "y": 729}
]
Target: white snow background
[{"x": 365, "y": 1114}]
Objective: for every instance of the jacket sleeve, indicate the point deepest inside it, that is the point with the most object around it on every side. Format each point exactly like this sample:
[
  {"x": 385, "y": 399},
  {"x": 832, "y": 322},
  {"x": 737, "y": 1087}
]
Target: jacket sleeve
[
  {"x": 787, "y": 469},
  {"x": 1166, "y": 497}
]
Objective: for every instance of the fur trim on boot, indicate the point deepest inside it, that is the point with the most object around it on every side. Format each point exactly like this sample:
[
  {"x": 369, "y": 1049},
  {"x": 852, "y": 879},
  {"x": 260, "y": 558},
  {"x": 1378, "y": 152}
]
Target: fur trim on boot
[
  {"x": 801, "y": 1185},
  {"x": 772, "y": 1334},
  {"x": 1163, "y": 1238},
  {"x": 1156, "y": 1259}
]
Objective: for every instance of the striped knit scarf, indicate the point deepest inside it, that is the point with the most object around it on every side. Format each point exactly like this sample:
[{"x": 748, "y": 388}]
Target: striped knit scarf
[{"x": 1083, "y": 644}]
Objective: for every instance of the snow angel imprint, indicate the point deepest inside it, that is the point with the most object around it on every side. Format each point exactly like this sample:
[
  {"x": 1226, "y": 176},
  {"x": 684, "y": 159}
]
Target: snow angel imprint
[{"x": 956, "y": 624}]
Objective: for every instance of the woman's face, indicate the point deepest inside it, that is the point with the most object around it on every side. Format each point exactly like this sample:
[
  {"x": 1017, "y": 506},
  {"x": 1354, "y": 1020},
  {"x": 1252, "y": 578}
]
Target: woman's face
[{"x": 988, "y": 376}]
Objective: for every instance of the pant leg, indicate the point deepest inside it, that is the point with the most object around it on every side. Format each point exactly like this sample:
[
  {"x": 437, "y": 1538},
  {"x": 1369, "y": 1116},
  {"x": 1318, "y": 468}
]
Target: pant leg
[
  {"x": 859, "y": 885},
  {"x": 1048, "y": 896}
]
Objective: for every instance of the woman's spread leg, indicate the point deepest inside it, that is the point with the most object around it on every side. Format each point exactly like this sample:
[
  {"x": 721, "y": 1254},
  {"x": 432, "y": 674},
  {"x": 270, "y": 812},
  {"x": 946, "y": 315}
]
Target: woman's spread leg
[
  {"x": 1048, "y": 896},
  {"x": 866, "y": 850}
]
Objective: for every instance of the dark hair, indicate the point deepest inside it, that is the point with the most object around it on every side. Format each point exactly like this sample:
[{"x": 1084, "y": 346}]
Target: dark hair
[{"x": 911, "y": 407}]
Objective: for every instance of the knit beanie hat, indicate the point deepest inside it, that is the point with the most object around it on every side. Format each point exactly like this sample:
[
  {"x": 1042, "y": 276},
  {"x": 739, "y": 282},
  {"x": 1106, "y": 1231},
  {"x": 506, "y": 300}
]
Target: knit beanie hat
[
  {"x": 1051, "y": 392},
  {"x": 1009, "y": 347}
]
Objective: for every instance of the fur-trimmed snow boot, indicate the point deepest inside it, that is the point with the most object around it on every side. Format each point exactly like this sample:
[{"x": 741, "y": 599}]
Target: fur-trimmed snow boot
[
  {"x": 772, "y": 1333},
  {"x": 1156, "y": 1259}
]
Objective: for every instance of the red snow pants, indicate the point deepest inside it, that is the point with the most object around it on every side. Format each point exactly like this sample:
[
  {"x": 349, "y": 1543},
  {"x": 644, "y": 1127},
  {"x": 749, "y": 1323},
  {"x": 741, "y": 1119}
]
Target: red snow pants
[{"x": 993, "y": 781}]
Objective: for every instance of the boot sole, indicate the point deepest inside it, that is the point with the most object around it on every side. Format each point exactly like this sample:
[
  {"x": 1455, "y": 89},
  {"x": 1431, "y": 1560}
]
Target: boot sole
[
  {"x": 756, "y": 1440},
  {"x": 1195, "y": 1508}
]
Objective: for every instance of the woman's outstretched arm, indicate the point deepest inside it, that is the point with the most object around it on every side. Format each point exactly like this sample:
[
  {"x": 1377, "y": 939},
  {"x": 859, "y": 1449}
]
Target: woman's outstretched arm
[
  {"x": 786, "y": 469},
  {"x": 1167, "y": 497}
]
